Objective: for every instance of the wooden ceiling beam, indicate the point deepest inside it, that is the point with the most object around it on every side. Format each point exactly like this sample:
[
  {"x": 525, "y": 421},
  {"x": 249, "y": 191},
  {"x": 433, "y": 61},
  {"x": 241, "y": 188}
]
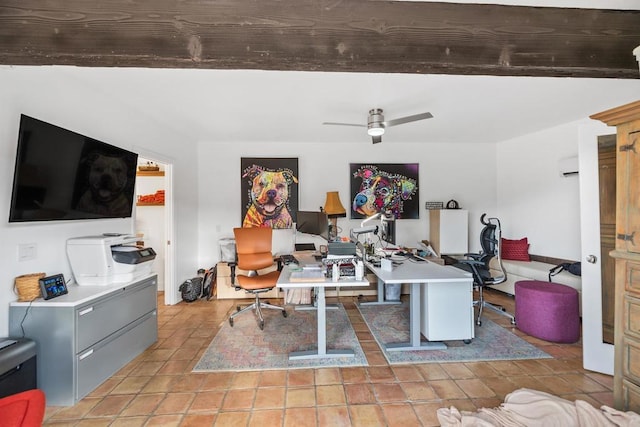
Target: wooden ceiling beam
[{"x": 322, "y": 35}]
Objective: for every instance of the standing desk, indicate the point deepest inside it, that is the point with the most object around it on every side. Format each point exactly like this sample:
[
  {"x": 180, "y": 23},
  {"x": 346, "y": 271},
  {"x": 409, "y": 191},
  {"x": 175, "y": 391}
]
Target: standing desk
[
  {"x": 284, "y": 282},
  {"x": 444, "y": 311}
]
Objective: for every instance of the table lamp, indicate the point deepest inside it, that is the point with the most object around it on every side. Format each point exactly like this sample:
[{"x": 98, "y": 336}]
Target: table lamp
[{"x": 334, "y": 209}]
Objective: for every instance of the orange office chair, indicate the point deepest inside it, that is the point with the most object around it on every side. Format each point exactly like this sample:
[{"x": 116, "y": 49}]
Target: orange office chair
[{"x": 253, "y": 247}]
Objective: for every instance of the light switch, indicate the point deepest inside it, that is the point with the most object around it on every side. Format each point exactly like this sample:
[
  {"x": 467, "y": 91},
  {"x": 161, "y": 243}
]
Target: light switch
[{"x": 27, "y": 251}]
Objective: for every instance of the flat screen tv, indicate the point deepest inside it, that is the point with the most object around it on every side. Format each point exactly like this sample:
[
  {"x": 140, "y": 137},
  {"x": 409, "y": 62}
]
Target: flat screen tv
[
  {"x": 310, "y": 222},
  {"x": 62, "y": 175}
]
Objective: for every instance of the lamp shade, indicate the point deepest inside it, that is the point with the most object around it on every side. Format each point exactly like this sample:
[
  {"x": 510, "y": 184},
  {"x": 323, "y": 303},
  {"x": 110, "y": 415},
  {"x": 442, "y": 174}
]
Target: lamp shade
[{"x": 332, "y": 206}]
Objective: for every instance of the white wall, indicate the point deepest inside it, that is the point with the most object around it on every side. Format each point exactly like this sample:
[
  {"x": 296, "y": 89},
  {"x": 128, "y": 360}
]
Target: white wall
[
  {"x": 465, "y": 172},
  {"x": 534, "y": 199},
  {"x": 59, "y": 95}
]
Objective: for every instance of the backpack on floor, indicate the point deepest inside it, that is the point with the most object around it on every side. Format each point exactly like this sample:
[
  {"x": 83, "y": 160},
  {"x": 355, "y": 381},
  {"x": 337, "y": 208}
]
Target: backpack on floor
[{"x": 191, "y": 289}]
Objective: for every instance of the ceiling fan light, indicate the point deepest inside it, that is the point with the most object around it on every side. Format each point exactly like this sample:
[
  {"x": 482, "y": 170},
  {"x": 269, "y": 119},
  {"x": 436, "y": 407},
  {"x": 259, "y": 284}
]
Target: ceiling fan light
[{"x": 375, "y": 129}]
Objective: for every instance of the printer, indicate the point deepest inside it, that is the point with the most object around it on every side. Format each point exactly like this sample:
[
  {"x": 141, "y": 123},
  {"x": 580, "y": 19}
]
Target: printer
[{"x": 108, "y": 258}]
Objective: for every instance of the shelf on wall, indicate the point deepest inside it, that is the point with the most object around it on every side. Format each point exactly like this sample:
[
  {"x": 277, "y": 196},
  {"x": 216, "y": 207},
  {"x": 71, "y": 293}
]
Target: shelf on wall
[
  {"x": 149, "y": 204},
  {"x": 150, "y": 173}
]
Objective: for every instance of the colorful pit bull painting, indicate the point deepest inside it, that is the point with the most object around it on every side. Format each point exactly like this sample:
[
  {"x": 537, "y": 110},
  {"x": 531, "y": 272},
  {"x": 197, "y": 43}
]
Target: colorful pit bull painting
[
  {"x": 269, "y": 197},
  {"x": 383, "y": 190}
]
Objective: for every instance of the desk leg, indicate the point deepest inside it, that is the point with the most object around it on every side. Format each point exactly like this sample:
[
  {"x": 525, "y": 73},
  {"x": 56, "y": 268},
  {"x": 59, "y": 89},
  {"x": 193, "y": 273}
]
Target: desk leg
[
  {"x": 414, "y": 326},
  {"x": 314, "y": 305},
  {"x": 322, "y": 351},
  {"x": 380, "y": 299}
]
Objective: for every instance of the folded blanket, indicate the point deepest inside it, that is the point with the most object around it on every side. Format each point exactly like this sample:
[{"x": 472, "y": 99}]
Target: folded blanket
[{"x": 531, "y": 408}]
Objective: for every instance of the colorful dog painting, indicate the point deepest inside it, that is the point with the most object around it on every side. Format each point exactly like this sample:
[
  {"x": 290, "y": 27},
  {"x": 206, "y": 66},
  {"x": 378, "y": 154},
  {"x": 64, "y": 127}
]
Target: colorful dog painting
[
  {"x": 382, "y": 191},
  {"x": 268, "y": 197}
]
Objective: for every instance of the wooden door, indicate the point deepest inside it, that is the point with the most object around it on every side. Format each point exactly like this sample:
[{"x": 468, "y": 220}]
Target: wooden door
[{"x": 607, "y": 184}]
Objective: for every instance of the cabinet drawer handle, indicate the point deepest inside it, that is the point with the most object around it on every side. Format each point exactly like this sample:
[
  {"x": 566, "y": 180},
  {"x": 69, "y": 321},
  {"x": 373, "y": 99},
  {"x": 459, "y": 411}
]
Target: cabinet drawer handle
[
  {"x": 85, "y": 311},
  {"x": 85, "y": 355}
]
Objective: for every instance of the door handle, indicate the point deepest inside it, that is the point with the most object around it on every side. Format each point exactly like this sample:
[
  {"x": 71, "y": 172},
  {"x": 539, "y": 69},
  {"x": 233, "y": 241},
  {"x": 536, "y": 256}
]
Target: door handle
[{"x": 592, "y": 259}]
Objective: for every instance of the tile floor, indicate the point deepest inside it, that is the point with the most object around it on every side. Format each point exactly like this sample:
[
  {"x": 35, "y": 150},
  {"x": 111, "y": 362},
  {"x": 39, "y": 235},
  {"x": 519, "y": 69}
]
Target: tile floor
[{"x": 158, "y": 388}]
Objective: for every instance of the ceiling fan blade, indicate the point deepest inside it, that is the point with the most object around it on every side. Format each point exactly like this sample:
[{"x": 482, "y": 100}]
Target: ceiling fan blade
[
  {"x": 408, "y": 119},
  {"x": 376, "y": 139},
  {"x": 344, "y": 124}
]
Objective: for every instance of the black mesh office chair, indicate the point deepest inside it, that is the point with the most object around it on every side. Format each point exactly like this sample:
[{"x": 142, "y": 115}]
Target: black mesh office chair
[{"x": 478, "y": 265}]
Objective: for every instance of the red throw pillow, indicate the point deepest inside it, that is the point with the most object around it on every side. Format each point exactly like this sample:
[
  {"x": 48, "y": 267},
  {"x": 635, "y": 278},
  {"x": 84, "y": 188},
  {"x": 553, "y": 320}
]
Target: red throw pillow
[{"x": 515, "y": 250}]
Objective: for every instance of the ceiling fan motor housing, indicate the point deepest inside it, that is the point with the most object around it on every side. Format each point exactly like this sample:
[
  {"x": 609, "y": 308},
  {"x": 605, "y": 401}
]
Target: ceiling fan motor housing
[{"x": 375, "y": 124}]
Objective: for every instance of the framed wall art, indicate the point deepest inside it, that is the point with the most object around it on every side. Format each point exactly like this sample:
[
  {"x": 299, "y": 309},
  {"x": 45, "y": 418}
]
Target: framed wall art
[
  {"x": 385, "y": 188},
  {"x": 269, "y": 191}
]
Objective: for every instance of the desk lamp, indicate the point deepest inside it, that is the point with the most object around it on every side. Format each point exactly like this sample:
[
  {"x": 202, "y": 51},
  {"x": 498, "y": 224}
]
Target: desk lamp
[{"x": 334, "y": 209}]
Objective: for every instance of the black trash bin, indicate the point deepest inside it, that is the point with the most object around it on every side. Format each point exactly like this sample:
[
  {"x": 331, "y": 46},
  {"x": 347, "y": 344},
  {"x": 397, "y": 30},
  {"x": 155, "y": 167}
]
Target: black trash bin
[{"x": 17, "y": 365}]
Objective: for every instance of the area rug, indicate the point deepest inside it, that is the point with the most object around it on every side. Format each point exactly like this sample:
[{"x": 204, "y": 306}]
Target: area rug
[
  {"x": 390, "y": 324},
  {"x": 244, "y": 347}
]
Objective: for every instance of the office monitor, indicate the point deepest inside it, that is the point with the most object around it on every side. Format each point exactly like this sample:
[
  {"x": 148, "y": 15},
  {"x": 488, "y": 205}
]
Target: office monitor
[{"x": 311, "y": 222}]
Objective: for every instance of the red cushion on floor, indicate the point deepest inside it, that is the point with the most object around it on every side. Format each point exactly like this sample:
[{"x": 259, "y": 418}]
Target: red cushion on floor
[{"x": 24, "y": 409}]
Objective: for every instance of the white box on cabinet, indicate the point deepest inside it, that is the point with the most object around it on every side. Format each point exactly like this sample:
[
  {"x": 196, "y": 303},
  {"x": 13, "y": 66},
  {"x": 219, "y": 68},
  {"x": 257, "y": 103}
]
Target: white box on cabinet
[{"x": 449, "y": 231}]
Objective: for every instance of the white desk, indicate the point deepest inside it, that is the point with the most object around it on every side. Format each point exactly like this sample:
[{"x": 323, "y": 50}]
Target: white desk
[
  {"x": 446, "y": 310},
  {"x": 285, "y": 282}
]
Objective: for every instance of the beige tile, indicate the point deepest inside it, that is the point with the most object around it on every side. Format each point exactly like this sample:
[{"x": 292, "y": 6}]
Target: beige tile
[
  {"x": 326, "y": 376},
  {"x": 475, "y": 388},
  {"x": 266, "y": 418},
  {"x": 417, "y": 391},
  {"x": 366, "y": 415},
  {"x": 232, "y": 419},
  {"x": 300, "y": 397},
  {"x": 359, "y": 393},
  {"x": 389, "y": 392},
  {"x": 447, "y": 389},
  {"x": 296, "y": 417},
  {"x": 245, "y": 380},
  {"x": 330, "y": 395},
  {"x": 110, "y": 405},
  {"x": 400, "y": 415},
  {"x": 164, "y": 421},
  {"x": 238, "y": 399},
  {"x": 354, "y": 375},
  {"x": 271, "y": 397},
  {"x": 207, "y": 401},
  {"x": 175, "y": 403},
  {"x": 457, "y": 370},
  {"x": 334, "y": 416},
  {"x": 198, "y": 420},
  {"x": 143, "y": 404},
  {"x": 300, "y": 377},
  {"x": 77, "y": 411},
  {"x": 273, "y": 379}
]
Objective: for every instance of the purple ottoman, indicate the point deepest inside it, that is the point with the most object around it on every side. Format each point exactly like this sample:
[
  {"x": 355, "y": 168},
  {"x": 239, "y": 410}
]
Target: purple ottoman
[{"x": 547, "y": 310}]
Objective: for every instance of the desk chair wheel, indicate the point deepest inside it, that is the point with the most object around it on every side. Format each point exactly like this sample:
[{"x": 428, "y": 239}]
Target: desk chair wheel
[
  {"x": 284, "y": 313},
  {"x": 231, "y": 321},
  {"x": 479, "y": 322},
  {"x": 261, "y": 324},
  {"x": 238, "y": 308}
]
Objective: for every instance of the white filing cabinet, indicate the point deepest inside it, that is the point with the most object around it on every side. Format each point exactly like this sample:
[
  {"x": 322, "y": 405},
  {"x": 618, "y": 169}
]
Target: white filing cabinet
[
  {"x": 446, "y": 311},
  {"x": 86, "y": 336},
  {"x": 449, "y": 231}
]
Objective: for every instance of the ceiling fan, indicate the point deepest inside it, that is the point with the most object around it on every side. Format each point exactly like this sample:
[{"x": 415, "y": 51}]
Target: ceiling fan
[{"x": 376, "y": 124}]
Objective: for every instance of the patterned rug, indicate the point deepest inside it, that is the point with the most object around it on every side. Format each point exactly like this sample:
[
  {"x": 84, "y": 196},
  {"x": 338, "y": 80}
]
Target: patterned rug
[
  {"x": 244, "y": 347},
  {"x": 390, "y": 323}
]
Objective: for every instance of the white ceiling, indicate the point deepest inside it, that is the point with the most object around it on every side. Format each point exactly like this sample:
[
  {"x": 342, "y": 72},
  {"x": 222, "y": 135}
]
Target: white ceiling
[{"x": 270, "y": 106}]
